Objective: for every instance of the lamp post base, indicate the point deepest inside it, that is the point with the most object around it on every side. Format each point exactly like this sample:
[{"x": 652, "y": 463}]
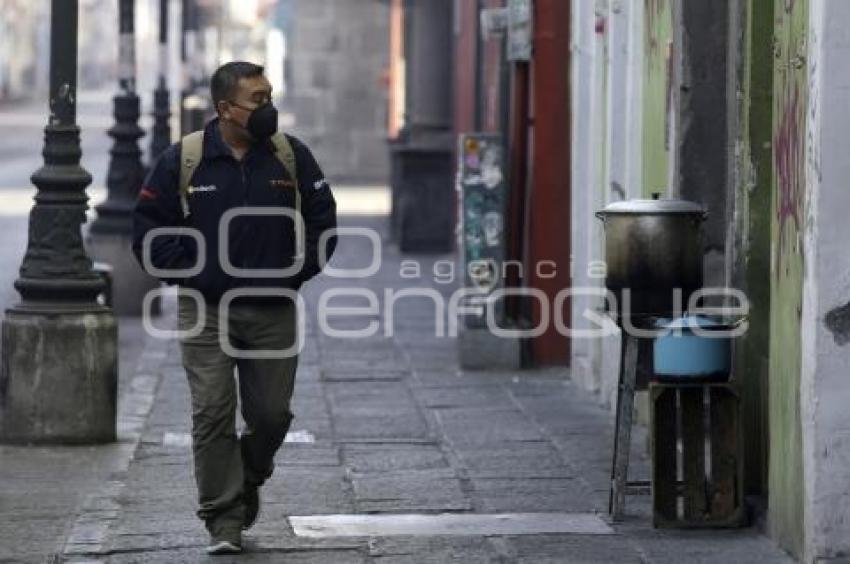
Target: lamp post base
[
  {"x": 59, "y": 378},
  {"x": 425, "y": 196}
]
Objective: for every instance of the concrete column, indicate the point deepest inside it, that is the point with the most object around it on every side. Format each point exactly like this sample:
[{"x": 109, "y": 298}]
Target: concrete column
[
  {"x": 617, "y": 28},
  {"x": 423, "y": 167},
  {"x": 430, "y": 61},
  {"x": 582, "y": 362},
  {"x": 634, "y": 14},
  {"x": 825, "y": 321},
  {"x": 701, "y": 137},
  {"x": 607, "y": 110}
]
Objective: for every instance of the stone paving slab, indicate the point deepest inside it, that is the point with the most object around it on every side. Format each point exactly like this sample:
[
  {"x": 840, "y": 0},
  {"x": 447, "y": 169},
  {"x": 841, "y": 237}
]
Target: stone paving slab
[
  {"x": 308, "y": 455},
  {"x": 408, "y": 491},
  {"x": 518, "y": 460},
  {"x": 486, "y": 426},
  {"x": 353, "y": 424},
  {"x": 575, "y": 549},
  {"x": 363, "y": 458},
  {"x": 433, "y": 550},
  {"x": 490, "y": 396},
  {"x": 454, "y": 377},
  {"x": 528, "y": 495},
  {"x": 335, "y": 374}
]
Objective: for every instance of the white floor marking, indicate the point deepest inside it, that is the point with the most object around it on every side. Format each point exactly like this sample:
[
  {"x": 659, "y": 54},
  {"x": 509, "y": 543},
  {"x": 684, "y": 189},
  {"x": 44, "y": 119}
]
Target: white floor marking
[
  {"x": 181, "y": 440},
  {"x": 319, "y": 526},
  {"x": 305, "y": 437},
  {"x": 362, "y": 200},
  {"x": 184, "y": 440}
]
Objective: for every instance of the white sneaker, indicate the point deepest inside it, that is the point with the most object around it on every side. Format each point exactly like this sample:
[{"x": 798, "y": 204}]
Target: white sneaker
[{"x": 223, "y": 547}]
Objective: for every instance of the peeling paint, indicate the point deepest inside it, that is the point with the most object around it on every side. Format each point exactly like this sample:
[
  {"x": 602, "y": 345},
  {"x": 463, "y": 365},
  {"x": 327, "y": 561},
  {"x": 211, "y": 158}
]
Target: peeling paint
[
  {"x": 838, "y": 323},
  {"x": 655, "y": 13}
]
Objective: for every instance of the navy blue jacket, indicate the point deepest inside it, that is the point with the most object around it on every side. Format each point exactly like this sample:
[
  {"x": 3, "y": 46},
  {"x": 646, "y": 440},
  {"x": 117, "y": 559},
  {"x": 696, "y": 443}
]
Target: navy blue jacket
[{"x": 221, "y": 183}]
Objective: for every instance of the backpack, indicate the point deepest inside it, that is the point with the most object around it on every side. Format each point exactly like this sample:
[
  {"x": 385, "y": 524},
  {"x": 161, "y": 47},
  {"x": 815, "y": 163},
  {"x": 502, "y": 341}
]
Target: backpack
[{"x": 191, "y": 150}]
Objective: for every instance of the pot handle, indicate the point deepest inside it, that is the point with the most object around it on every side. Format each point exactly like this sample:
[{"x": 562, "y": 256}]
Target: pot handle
[
  {"x": 700, "y": 218},
  {"x": 726, "y": 326},
  {"x": 600, "y": 215}
]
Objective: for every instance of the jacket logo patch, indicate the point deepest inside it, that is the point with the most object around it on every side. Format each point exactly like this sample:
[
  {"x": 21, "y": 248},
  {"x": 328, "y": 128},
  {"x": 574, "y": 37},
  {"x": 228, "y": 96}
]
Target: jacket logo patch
[
  {"x": 208, "y": 188},
  {"x": 281, "y": 183},
  {"x": 319, "y": 184}
]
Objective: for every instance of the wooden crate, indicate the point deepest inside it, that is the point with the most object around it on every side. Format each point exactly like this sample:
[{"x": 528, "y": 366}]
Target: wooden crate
[{"x": 697, "y": 459}]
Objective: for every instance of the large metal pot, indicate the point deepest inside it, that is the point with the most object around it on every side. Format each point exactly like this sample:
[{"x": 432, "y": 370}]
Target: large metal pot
[{"x": 653, "y": 247}]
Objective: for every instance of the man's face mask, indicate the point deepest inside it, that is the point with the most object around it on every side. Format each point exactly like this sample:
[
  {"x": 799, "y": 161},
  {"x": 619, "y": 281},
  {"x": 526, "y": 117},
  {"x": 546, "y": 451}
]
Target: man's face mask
[{"x": 262, "y": 123}]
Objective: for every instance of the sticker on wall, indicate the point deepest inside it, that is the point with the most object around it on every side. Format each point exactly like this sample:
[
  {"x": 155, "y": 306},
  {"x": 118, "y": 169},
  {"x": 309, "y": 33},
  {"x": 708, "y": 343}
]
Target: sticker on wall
[{"x": 482, "y": 191}]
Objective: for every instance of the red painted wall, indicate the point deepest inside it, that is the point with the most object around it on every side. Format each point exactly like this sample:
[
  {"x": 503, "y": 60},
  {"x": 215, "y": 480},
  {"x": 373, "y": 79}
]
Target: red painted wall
[
  {"x": 492, "y": 94},
  {"x": 548, "y": 212},
  {"x": 466, "y": 37}
]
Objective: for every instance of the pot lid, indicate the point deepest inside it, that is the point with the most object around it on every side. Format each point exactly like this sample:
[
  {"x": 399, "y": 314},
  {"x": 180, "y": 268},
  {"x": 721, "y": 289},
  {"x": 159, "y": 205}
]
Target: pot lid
[
  {"x": 671, "y": 206},
  {"x": 688, "y": 322}
]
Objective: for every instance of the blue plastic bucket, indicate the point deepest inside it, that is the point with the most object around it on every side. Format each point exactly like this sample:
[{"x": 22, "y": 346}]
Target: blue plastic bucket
[{"x": 678, "y": 352}]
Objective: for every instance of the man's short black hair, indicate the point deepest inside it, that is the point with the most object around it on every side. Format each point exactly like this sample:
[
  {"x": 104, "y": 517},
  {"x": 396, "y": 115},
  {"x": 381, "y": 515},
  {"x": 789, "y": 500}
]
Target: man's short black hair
[{"x": 225, "y": 80}]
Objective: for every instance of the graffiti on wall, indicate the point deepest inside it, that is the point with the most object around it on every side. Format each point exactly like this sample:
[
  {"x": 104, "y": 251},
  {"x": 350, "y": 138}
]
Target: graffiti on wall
[
  {"x": 789, "y": 136},
  {"x": 789, "y": 169}
]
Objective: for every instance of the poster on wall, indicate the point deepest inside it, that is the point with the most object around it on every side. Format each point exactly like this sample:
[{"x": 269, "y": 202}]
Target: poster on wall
[
  {"x": 483, "y": 190},
  {"x": 519, "y": 30}
]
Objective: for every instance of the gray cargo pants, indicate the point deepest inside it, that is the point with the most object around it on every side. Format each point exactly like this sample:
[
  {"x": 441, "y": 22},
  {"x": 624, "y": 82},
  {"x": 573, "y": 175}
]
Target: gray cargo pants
[{"x": 223, "y": 463}]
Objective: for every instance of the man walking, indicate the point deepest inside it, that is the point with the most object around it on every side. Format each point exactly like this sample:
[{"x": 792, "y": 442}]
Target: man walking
[{"x": 238, "y": 307}]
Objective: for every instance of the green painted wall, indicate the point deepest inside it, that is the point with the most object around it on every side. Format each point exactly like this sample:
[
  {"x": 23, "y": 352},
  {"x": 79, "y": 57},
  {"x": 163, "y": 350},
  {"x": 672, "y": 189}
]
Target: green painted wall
[
  {"x": 657, "y": 67},
  {"x": 753, "y": 232},
  {"x": 790, "y": 96}
]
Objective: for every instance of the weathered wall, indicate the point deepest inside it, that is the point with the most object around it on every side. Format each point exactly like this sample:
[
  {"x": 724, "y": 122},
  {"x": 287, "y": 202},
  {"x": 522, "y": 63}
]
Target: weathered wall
[
  {"x": 657, "y": 94},
  {"x": 750, "y": 252},
  {"x": 339, "y": 53},
  {"x": 585, "y": 112},
  {"x": 607, "y": 81},
  {"x": 790, "y": 98},
  {"x": 702, "y": 136},
  {"x": 825, "y": 333},
  {"x": 791, "y": 234}
]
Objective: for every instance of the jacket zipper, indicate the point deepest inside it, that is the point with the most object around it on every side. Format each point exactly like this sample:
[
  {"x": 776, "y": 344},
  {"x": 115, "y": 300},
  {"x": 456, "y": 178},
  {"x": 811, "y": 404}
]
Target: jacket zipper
[
  {"x": 244, "y": 182},
  {"x": 245, "y": 200}
]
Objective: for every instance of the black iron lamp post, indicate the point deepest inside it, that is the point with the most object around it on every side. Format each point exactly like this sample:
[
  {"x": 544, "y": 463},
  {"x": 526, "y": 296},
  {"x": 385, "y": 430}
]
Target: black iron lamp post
[
  {"x": 110, "y": 235},
  {"x": 126, "y": 172},
  {"x": 58, "y": 382},
  {"x": 161, "y": 134},
  {"x": 193, "y": 106}
]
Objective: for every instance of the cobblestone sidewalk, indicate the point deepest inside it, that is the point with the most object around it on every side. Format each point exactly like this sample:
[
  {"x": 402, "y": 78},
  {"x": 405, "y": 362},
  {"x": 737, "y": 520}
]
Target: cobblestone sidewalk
[{"x": 389, "y": 425}]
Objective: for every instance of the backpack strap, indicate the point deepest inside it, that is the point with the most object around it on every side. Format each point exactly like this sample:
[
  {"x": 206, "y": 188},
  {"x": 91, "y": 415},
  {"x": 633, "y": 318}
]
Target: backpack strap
[
  {"x": 191, "y": 151},
  {"x": 286, "y": 154}
]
